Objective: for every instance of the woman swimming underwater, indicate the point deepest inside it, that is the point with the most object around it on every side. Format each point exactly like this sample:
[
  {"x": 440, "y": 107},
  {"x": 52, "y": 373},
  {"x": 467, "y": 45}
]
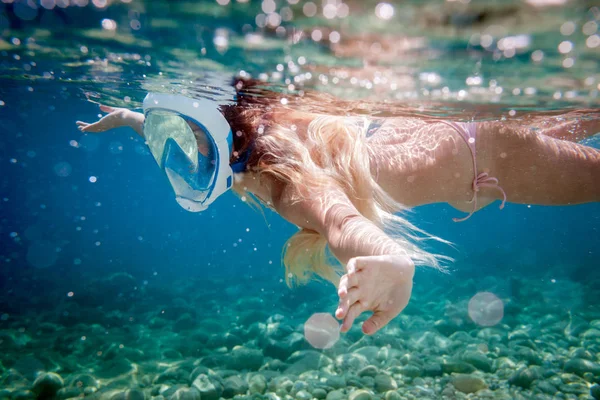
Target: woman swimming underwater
[{"x": 342, "y": 179}]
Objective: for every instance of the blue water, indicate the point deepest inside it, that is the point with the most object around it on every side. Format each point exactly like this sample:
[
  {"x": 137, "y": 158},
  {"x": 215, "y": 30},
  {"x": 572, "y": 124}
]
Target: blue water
[{"x": 76, "y": 209}]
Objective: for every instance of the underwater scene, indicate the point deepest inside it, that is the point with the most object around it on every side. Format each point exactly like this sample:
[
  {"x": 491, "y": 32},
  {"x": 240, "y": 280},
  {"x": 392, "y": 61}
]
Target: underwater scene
[{"x": 124, "y": 277}]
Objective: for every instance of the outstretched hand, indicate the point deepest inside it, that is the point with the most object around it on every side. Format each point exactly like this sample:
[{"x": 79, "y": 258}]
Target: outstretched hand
[
  {"x": 382, "y": 284},
  {"x": 115, "y": 118}
]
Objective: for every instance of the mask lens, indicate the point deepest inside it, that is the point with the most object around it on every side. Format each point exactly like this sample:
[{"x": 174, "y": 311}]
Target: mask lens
[{"x": 185, "y": 151}]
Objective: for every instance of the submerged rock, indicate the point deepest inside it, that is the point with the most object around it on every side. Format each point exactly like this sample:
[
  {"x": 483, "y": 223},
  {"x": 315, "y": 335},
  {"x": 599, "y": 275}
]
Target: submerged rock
[
  {"x": 234, "y": 385},
  {"x": 173, "y": 374},
  {"x": 411, "y": 371},
  {"x": 351, "y": 362},
  {"x": 433, "y": 370},
  {"x": 131, "y": 394},
  {"x": 383, "y": 383},
  {"x": 478, "y": 360},
  {"x": 114, "y": 368},
  {"x": 580, "y": 366},
  {"x": 303, "y": 395},
  {"x": 23, "y": 395},
  {"x": 369, "y": 370},
  {"x": 83, "y": 381},
  {"x": 468, "y": 383},
  {"x": 185, "y": 394},
  {"x": 524, "y": 377},
  {"x": 306, "y": 360},
  {"x": 336, "y": 381},
  {"x": 546, "y": 387},
  {"x": 282, "y": 349},
  {"x": 209, "y": 389},
  {"x": 47, "y": 384},
  {"x": 360, "y": 395},
  {"x": 459, "y": 367},
  {"x": 391, "y": 395},
  {"x": 595, "y": 392},
  {"x": 319, "y": 393},
  {"x": 243, "y": 358},
  {"x": 257, "y": 384},
  {"x": 336, "y": 395}
]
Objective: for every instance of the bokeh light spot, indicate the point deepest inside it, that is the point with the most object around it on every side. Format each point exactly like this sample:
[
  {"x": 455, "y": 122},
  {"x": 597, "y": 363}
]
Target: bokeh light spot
[
  {"x": 62, "y": 169},
  {"x": 384, "y": 11},
  {"x": 322, "y": 330},
  {"x": 42, "y": 254},
  {"x": 486, "y": 309}
]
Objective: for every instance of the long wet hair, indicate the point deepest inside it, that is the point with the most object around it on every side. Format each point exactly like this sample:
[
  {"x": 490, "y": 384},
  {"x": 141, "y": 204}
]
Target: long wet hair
[{"x": 332, "y": 151}]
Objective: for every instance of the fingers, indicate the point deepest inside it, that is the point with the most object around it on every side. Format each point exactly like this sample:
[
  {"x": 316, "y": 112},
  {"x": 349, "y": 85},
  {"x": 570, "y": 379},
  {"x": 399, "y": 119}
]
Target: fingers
[
  {"x": 356, "y": 309},
  {"x": 345, "y": 303},
  {"x": 347, "y": 282},
  {"x": 376, "y": 322},
  {"x": 86, "y": 127},
  {"x": 82, "y": 126}
]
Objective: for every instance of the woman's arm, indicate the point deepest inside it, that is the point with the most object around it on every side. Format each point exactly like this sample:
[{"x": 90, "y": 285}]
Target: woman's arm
[
  {"x": 534, "y": 168},
  {"x": 378, "y": 272},
  {"x": 116, "y": 118}
]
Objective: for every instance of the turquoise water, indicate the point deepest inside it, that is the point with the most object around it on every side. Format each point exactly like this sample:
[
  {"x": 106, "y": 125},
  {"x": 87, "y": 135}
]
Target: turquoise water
[{"x": 110, "y": 291}]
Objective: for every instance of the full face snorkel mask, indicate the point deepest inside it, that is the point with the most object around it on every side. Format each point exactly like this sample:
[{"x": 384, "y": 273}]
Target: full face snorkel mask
[{"x": 191, "y": 141}]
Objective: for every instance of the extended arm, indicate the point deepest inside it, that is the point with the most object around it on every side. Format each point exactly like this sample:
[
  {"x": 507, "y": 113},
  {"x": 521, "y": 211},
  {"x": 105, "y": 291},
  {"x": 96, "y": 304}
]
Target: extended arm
[{"x": 116, "y": 118}]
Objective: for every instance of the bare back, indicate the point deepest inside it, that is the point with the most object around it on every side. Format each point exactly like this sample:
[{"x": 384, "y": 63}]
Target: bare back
[{"x": 419, "y": 162}]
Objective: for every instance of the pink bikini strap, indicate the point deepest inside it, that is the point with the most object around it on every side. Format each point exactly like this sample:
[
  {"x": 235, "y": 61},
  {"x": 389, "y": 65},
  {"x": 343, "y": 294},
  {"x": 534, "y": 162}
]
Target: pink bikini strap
[{"x": 468, "y": 131}]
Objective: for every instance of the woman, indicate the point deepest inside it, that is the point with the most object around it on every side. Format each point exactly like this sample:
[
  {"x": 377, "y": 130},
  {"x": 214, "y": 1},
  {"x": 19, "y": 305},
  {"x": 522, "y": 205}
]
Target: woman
[{"x": 342, "y": 179}]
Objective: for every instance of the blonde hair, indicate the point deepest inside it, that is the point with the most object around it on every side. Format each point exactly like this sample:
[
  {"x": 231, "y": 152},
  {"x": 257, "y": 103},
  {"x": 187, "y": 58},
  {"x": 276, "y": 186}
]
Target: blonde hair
[{"x": 333, "y": 151}]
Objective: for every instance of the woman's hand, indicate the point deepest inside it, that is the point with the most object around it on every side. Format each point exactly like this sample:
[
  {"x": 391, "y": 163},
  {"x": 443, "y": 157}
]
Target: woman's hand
[
  {"x": 115, "y": 118},
  {"x": 382, "y": 284}
]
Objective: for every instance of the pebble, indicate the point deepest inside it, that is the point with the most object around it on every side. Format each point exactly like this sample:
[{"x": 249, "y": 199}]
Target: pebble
[
  {"x": 183, "y": 394},
  {"x": 478, "y": 360},
  {"x": 458, "y": 367},
  {"x": 591, "y": 334},
  {"x": 369, "y": 370},
  {"x": 546, "y": 387},
  {"x": 468, "y": 383},
  {"x": 336, "y": 381},
  {"x": 336, "y": 395},
  {"x": 595, "y": 392},
  {"x": 303, "y": 395},
  {"x": 360, "y": 395},
  {"x": 22, "y": 395},
  {"x": 243, "y": 358},
  {"x": 173, "y": 374},
  {"x": 432, "y": 370},
  {"x": 208, "y": 389},
  {"x": 234, "y": 385},
  {"x": 47, "y": 384},
  {"x": 392, "y": 395},
  {"x": 384, "y": 383},
  {"x": 411, "y": 371},
  {"x": 577, "y": 388},
  {"x": 319, "y": 393},
  {"x": 524, "y": 377},
  {"x": 257, "y": 384},
  {"x": 580, "y": 366},
  {"x": 132, "y": 394}
]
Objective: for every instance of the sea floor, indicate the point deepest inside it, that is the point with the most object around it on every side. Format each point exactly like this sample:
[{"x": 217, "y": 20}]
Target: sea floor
[{"x": 120, "y": 338}]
